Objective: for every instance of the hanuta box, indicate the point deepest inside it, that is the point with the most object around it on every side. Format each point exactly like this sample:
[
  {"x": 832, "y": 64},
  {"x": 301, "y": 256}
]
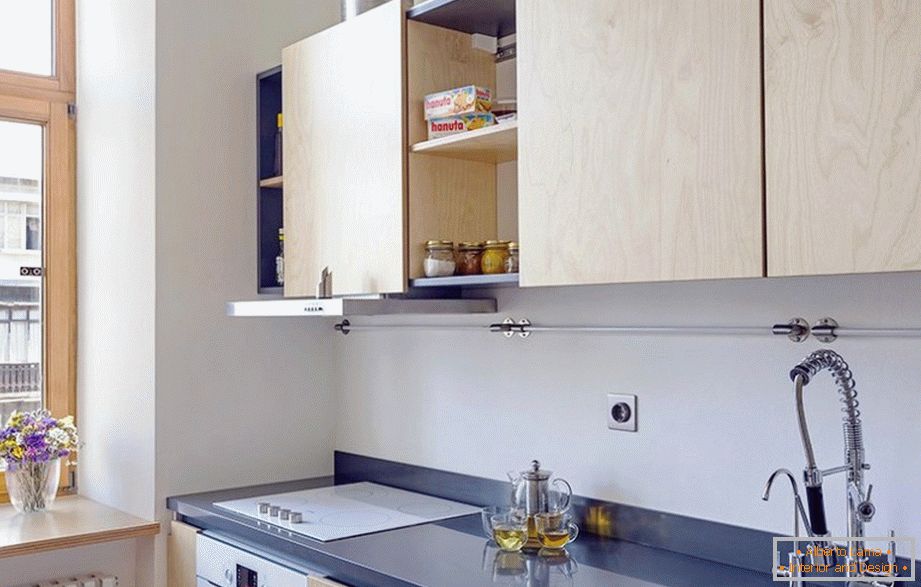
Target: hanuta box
[
  {"x": 465, "y": 100},
  {"x": 452, "y": 125}
]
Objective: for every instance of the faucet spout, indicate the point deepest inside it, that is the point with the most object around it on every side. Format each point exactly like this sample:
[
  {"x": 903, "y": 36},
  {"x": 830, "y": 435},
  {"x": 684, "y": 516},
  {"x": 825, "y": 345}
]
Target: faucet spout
[{"x": 799, "y": 512}]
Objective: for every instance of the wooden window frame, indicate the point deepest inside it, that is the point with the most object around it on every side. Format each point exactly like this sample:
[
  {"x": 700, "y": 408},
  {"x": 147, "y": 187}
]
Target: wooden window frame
[
  {"x": 61, "y": 86},
  {"x": 48, "y": 101}
]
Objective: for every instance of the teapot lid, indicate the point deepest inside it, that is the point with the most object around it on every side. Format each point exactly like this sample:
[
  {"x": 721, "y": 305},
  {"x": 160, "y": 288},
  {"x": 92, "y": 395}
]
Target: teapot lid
[{"x": 535, "y": 473}]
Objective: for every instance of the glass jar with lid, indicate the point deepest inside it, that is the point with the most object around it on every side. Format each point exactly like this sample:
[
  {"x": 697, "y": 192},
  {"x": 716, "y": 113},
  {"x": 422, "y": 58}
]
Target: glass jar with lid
[
  {"x": 494, "y": 256},
  {"x": 512, "y": 261},
  {"x": 439, "y": 259},
  {"x": 469, "y": 255}
]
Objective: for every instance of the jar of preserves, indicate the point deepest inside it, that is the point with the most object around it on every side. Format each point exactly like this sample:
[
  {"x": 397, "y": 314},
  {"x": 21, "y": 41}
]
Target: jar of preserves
[
  {"x": 511, "y": 262},
  {"x": 469, "y": 255},
  {"x": 494, "y": 256},
  {"x": 439, "y": 259}
]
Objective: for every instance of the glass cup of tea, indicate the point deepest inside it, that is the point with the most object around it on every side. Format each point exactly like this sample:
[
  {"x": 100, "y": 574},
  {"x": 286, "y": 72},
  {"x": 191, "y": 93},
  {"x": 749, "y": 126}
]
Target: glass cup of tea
[
  {"x": 555, "y": 530},
  {"x": 488, "y": 512},
  {"x": 508, "y": 527}
]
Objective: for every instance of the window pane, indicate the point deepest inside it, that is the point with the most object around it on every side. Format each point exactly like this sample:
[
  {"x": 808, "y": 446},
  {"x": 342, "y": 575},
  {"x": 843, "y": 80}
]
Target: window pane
[
  {"x": 27, "y": 36},
  {"x": 21, "y": 164},
  {"x": 14, "y": 229},
  {"x": 33, "y": 233}
]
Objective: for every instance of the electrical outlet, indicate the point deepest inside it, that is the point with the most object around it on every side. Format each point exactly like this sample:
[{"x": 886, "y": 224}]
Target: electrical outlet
[{"x": 622, "y": 412}]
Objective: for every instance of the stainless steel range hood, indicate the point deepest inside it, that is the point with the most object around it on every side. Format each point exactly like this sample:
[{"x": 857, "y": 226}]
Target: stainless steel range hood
[{"x": 369, "y": 306}]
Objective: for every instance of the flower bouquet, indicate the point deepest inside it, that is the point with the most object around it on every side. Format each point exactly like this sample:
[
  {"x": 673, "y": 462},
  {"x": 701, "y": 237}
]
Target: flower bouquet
[{"x": 33, "y": 444}]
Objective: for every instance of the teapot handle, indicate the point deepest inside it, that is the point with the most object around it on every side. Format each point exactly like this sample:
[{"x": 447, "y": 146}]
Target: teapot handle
[{"x": 567, "y": 495}]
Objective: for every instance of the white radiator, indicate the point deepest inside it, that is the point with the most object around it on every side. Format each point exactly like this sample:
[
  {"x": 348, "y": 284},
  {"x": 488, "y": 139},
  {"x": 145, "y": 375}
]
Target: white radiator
[{"x": 90, "y": 580}]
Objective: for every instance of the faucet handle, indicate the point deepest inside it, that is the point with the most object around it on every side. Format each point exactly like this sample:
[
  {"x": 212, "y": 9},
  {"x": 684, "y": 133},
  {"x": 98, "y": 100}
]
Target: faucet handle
[
  {"x": 865, "y": 509},
  {"x": 890, "y": 556}
]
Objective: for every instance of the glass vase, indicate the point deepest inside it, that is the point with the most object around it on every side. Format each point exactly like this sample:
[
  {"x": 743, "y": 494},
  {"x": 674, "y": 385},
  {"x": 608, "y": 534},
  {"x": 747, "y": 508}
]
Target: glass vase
[{"x": 32, "y": 486}]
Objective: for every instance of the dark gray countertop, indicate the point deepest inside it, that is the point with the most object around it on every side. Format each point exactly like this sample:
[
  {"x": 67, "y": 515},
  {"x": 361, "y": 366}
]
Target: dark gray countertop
[{"x": 453, "y": 552}]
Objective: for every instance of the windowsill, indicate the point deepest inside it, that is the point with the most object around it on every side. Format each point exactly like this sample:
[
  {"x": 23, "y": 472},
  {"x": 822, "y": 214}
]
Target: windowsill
[{"x": 71, "y": 521}]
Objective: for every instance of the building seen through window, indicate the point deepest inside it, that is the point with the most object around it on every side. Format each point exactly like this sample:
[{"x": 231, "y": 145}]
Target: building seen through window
[{"x": 20, "y": 263}]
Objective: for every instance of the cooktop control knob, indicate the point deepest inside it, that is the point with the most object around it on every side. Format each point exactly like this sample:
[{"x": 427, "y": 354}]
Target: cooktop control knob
[
  {"x": 273, "y": 511},
  {"x": 297, "y": 518},
  {"x": 284, "y": 514},
  {"x": 264, "y": 507}
]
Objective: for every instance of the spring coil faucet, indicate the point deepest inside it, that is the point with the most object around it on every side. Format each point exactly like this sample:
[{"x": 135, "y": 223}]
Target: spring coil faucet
[
  {"x": 853, "y": 440},
  {"x": 860, "y": 508}
]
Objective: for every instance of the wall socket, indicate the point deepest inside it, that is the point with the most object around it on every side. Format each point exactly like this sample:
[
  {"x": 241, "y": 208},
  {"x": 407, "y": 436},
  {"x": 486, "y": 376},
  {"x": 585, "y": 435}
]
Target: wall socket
[{"x": 622, "y": 412}]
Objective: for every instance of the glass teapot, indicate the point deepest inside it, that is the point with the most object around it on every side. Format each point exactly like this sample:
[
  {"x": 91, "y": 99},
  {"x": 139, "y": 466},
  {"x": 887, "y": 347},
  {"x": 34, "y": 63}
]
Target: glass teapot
[{"x": 531, "y": 491}]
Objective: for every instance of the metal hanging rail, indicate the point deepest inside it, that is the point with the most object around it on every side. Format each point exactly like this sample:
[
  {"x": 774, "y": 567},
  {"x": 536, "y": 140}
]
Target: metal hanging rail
[{"x": 797, "y": 329}]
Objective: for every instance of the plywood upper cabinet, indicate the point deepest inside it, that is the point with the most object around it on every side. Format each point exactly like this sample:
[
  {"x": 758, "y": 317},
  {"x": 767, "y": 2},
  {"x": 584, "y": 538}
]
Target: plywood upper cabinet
[
  {"x": 344, "y": 154},
  {"x": 639, "y": 140},
  {"x": 843, "y": 135}
]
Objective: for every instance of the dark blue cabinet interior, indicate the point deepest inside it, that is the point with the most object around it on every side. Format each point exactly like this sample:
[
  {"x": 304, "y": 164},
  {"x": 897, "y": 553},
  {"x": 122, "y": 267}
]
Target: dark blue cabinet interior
[
  {"x": 269, "y": 211},
  {"x": 495, "y": 18}
]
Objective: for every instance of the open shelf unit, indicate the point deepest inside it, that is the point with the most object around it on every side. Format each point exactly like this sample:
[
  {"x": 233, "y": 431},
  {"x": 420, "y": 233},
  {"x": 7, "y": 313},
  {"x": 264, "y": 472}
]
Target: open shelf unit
[
  {"x": 493, "y": 144},
  {"x": 269, "y": 202},
  {"x": 498, "y": 280},
  {"x": 462, "y": 187}
]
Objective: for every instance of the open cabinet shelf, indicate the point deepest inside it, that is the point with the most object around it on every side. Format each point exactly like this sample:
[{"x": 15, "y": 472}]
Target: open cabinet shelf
[
  {"x": 269, "y": 193},
  {"x": 498, "y": 280},
  {"x": 493, "y": 144},
  {"x": 462, "y": 187}
]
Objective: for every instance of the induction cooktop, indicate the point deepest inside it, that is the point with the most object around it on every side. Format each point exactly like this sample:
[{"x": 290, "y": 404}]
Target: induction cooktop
[{"x": 343, "y": 511}]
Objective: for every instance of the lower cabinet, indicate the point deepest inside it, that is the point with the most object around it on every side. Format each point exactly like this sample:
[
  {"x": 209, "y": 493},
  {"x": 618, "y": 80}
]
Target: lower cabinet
[{"x": 180, "y": 554}]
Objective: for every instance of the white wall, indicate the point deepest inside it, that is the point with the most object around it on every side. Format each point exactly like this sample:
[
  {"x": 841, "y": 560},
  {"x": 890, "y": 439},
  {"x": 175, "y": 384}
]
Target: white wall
[
  {"x": 223, "y": 384},
  {"x": 238, "y": 401},
  {"x": 171, "y": 391},
  {"x": 115, "y": 252},
  {"x": 716, "y": 414}
]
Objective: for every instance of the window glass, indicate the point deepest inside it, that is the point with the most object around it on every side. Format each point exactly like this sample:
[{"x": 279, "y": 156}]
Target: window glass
[
  {"x": 27, "y": 36},
  {"x": 21, "y": 187}
]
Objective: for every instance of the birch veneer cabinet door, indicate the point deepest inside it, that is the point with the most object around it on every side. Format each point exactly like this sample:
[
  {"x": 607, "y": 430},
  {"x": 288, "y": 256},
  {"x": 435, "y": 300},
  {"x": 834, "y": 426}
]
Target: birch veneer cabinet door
[
  {"x": 344, "y": 156},
  {"x": 843, "y": 135},
  {"x": 639, "y": 143},
  {"x": 181, "y": 548}
]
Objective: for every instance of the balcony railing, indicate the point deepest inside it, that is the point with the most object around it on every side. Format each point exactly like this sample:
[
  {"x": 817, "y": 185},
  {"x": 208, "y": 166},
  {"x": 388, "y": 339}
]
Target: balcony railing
[{"x": 18, "y": 379}]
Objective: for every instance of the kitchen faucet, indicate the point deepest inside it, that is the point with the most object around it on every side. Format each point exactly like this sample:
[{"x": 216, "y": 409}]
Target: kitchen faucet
[
  {"x": 860, "y": 508},
  {"x": 794, "y": 568}
]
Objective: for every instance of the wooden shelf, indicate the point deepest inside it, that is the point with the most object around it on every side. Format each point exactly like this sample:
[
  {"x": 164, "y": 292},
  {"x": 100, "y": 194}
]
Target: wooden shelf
[
  {"x": 272, "y": 182},
  {"x": 497, "y": 280},
  {"x": 495, "y": 18},
  {"x": 493, "y": 144},
  {"x": 71, "y": 521}
]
